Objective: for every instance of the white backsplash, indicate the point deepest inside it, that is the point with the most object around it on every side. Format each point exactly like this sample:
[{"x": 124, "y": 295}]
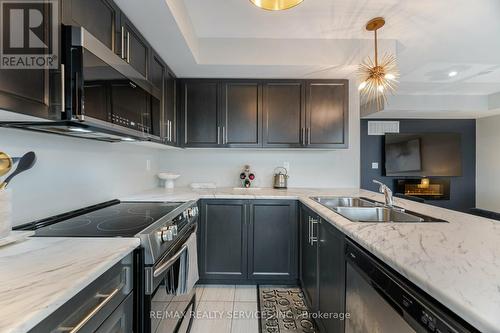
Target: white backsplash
[{"x": 73, "y": 173}]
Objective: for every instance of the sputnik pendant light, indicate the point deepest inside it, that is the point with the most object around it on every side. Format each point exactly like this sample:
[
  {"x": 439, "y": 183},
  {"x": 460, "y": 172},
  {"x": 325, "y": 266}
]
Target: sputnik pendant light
[
  {"x": 276, "y": 4},
  {"x": 377, "y": 77}
]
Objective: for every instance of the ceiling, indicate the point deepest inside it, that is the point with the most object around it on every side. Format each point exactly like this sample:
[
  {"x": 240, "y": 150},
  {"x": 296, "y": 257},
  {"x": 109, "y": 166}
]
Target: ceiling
[{"x": 326, "y": 39}]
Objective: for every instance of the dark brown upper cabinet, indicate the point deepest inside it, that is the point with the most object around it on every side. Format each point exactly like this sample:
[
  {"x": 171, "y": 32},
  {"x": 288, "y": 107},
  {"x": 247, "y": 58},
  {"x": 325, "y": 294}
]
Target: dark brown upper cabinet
[
  {"x": 200, "y": 111},
  {"x": 157, "y": 72},
  {"x": 327, "y": 114},
  {"x": 170, "y": 108},
  {"x": 284, "y": 119},
  {"x": 241, "y": 113},
  {"x": 100, "y": 17},
  {"x": 134, "y": 48}
]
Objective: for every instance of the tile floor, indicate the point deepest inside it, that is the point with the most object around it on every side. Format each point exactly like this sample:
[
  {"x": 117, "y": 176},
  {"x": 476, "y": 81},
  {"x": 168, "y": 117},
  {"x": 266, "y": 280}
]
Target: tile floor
[{"x": 222, "y": 309}]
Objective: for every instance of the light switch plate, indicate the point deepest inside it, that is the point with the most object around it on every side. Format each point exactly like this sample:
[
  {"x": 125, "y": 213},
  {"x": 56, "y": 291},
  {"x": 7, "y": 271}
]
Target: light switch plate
[{"x": 374, "y": 165}]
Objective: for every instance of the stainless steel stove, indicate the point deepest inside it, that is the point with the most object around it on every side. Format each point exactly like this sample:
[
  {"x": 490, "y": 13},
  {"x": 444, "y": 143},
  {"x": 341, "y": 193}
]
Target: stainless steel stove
[{"x": 162, "y": 227}]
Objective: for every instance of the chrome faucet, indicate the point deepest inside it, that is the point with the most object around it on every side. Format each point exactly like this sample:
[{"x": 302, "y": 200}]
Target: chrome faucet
[{"x": 389, "y": 200}]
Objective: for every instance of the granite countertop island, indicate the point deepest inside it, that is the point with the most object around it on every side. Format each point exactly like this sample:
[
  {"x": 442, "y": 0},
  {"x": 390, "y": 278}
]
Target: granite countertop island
[
  {"x": 40, "y": 274},
  {"x": 457, "y": 263}
]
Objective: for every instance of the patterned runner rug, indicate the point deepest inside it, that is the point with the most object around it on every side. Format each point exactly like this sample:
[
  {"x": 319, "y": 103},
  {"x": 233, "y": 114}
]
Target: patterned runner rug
[{"x": 283, "y": 309}]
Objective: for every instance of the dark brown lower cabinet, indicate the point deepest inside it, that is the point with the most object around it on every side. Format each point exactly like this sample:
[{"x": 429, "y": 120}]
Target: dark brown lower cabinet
[
  {"x": 248, "y": 241},
  {"x": 322, "y": 269}
]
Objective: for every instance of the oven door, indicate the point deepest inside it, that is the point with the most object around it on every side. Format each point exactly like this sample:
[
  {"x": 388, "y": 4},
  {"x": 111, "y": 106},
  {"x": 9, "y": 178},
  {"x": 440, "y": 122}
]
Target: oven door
[{"x": 166, "y": 313}]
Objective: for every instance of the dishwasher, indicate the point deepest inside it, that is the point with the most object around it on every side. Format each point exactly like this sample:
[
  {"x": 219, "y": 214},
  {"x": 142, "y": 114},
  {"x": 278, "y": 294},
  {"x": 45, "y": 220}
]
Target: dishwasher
[{"x": 379, "y": 301}]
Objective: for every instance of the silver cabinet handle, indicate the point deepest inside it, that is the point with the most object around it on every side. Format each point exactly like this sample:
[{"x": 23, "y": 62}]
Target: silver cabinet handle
[
  {"x": 123, "y": 42},
  {"x": 314, "y": 239},
  {"x": 303, "y": 136},
  {"x": 171, "y": 132},
  {"x": 128, "y": 47},
  {"x": 218, "y": 134},
  {"x": 106, "y": 299},
  {"x": 224, "y": 135},
  {"x": 309, "y": 232},
  {"x": 308, "y": 131},
  {"x": 63, "y": 88},
  {"x": 168, "y": 130}
]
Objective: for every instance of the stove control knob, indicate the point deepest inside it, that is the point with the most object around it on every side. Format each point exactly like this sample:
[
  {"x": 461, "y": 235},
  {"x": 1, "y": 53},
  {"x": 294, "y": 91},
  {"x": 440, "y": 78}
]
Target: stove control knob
[
  {"x": 166, "y": 234},
  {"x": 174, "y": 230},
  {"x": 185, "y": 214}
]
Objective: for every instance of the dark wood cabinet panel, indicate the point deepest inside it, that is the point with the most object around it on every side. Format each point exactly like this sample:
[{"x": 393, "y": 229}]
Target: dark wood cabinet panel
[
  {"x": 327, "y": 114},
  {"x": 331, "y": 276},
  {"x": 283, "y": 114},
  {"x": 170, "y": 116},
  {"x": 135, "y": 48},
  {"x": 272, "y": 240},
  {"x": 99, "y": 17},
  {"x": 200, "y": 108},
  {"x": 223, "y": 243},
  {"x": 309, "y": 258},
  {"x": 241, "y": 114}
]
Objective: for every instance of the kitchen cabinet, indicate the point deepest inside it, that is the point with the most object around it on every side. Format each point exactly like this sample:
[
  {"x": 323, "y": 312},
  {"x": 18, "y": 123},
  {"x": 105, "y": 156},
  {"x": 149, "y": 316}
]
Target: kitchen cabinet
[
  {"x": 200, "y": 111},
  {"x": 157, "y": 72},
  {"x": 331, "y": 276},
  {"x": 241, "y": 113},
  {"x": 272, "y": 240},
  {"x": 284, "y": 119},
  {"x": 309, "y": 257},
  {"x": 170, "y": 108},
  {"x": 265, "y": 113},
  {"x": 327, "y": 114},
  {"x": 100, "y": 17},
  {"x": 248, "y": 241},
  {"x": 223, "y": 240},
  {"x": 134, "y": 48}
]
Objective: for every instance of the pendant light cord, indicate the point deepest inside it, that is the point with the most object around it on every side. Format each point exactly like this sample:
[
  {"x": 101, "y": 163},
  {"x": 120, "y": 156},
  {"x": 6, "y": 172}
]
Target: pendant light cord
[{"x": 376, "y": 51}]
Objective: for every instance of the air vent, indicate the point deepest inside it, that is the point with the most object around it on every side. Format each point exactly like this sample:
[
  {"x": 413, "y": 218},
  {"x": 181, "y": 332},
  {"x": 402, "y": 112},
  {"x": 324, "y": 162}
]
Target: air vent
[{"x": 382, "y": 127}]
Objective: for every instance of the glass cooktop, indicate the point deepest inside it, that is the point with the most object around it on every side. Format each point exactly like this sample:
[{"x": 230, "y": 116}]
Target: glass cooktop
[{"x": 125, "y": 219}]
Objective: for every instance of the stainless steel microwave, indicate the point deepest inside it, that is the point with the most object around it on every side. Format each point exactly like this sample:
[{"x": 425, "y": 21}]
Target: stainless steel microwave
[{"x": 102, "y": 97}]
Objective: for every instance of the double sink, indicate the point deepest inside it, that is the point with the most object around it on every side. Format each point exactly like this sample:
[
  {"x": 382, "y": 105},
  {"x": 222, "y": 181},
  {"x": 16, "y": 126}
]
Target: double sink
[{"x": 366, "y": 210}]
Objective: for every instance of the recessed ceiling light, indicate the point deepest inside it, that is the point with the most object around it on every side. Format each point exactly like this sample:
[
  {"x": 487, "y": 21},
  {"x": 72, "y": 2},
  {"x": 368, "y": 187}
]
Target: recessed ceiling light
[
  {"x": 452, "y": 73},
  {"x": 128, "y": 139},
  {"x": 276, "y": 4}
]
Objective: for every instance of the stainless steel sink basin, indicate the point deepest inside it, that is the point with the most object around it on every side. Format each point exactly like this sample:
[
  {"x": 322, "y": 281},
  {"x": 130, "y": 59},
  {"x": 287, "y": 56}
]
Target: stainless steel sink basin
[
  {"x": 376, "y": 214},
  {"x": 334, "y": 202},
  {"x": 365, "y": 210}
]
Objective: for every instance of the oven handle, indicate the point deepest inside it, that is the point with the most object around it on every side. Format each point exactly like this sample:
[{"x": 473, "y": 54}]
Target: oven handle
[{"x": 166, "y": 265}]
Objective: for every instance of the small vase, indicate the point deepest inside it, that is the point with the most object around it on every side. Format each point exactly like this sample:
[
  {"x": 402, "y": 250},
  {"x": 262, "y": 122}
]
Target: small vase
[{"x": 5, "y": 212}]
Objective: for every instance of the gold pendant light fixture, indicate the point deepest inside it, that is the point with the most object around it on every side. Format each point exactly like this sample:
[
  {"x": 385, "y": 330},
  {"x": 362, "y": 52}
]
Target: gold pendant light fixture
[
  {"x": 276, "y": 4},
  {"x": 377, "y": 77}
]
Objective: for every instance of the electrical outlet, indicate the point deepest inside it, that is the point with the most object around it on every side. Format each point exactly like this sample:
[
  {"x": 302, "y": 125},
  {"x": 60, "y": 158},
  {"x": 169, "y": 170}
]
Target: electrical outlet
[
  {"x": 286, "y": 165},
  {"x": 374, "y": 165},
  {"x": 148, "y": 165}
]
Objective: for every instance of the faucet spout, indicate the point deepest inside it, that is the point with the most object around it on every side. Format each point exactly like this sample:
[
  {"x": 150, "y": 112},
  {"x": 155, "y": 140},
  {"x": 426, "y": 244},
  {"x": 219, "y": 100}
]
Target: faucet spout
[{"x": 389, "y": 199}]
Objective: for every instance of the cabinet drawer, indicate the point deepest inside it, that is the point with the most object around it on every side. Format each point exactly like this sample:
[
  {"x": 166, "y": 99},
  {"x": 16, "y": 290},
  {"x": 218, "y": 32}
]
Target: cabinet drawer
[
  {"x": 90, "y": 307},
  {"x": 121, "y": 320}
]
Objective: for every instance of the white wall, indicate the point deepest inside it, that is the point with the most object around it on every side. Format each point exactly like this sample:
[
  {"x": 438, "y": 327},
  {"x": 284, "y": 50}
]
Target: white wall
[
  {"x": 74, "y": 173},
  {"x": 488, "y": 163},
  {"x": 308, "y": 168}
]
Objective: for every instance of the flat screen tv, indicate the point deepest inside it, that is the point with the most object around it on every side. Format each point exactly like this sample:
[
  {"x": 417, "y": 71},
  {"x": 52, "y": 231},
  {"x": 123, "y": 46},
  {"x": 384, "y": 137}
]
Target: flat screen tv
[{"x": 423, "y": 154}]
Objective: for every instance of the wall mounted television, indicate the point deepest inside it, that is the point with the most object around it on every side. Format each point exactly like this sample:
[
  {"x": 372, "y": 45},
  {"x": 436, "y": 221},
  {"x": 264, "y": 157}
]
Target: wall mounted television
[{"x": 423, "y": 154}]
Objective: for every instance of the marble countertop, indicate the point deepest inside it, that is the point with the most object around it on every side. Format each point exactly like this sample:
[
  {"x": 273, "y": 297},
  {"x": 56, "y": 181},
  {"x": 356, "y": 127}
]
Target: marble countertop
[
  {"x": 39, "y": 275},
  {"x": 458, "y": 263}
]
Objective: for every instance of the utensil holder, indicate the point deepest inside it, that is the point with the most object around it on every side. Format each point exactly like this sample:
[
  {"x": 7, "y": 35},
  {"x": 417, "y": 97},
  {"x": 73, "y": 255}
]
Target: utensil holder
[{"x": 5, "y": 212}]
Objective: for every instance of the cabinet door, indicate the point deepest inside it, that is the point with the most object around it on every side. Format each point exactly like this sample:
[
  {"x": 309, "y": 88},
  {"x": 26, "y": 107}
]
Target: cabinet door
[
  {"x": 136, "y": 49},
  {"x": 284, "y": 122},
  {"x": 200, "y": 102},
  {"x": 157, "y": 69},
  {"x": 99, "y": 17},
  {"x": 272, "y": 240},
  {"x": 223, "y": 244},
  {"x": 309, "y": 258},
  {"x": 327, "y": 114},
  {"x": 241, "y": 114},
  {"x": 331, "y": 276},
  {"x": 170, "y": 108}
]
